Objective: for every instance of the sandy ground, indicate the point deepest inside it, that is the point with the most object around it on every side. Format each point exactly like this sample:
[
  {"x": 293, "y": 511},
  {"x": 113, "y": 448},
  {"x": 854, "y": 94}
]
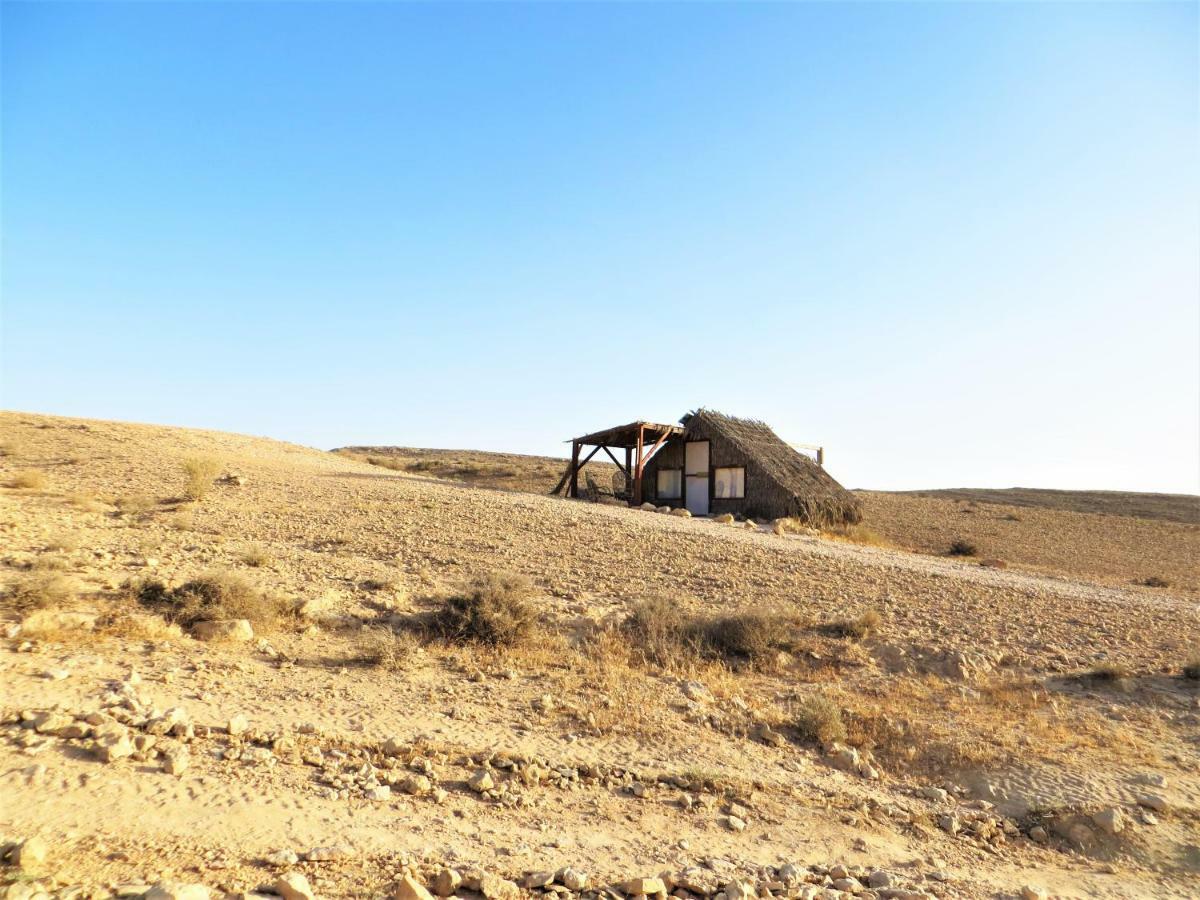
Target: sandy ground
[{"x": 620, "y": 771}]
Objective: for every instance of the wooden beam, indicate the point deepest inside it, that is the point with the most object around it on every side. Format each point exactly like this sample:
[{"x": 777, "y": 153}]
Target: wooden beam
[
  {"x": 573, "y": 490},
  {"x": 610, "y": 455},
  {"x": 637, "y": 478}
]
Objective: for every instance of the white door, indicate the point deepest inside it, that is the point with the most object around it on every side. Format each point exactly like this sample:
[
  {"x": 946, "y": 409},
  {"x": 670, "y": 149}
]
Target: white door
[{"x": 695, "y": 468}]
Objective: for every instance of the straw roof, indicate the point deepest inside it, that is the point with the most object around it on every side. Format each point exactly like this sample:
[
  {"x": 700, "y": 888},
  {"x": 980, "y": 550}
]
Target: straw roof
[{"x": 800, "y": 484}]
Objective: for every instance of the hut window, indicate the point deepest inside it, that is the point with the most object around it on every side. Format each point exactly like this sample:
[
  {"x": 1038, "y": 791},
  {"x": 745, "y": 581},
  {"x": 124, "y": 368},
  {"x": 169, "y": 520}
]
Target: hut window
[
  {"x": 670, "y": 484},
  {"x": 731, "y": 482}
]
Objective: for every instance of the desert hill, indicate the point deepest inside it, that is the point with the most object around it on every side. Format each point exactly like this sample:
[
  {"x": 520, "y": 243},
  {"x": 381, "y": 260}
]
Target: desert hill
[
  {"x": 1118, "y": 538},
  {"x": 243, "y": 664}
]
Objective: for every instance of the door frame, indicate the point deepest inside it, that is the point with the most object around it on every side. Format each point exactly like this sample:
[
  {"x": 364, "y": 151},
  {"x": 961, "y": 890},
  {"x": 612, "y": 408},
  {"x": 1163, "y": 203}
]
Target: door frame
[{"x": 706, "y": 475}]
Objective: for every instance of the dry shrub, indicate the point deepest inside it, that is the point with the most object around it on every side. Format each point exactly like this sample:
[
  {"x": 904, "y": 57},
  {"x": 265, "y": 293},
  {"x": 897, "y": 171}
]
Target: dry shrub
[
  {"x": 492, "y": 610},
  {"x": 1192, "y": 669},
  {"x": 41, "y": 590},
  {"x": 183, "y": 519},
  {"x": 1113, "y": 674},
  {"x": 386, "y": 649},
  {"x": 135, "y": 506},
  {"x": 856, "y": 534},
  {"x": 29, "y": 479},
  {"x": 215, "y": 595},
  {"x": 961, "y": 547},
  {"x": 256, "y": 557},
  {"x": 666, "y": 637},
  {"x": 929, "y": 726},
  {"x": 1155, "y": 581},
  {"x": 85, "y": 501},
  {"x": 11, "y": 447},
  {"x": 201, "y": 471},
  {"x": 855, "y": 629},
  {"x": 63, "y": 541},
  {"x": 818, "y": 720},
  {"x": 139, "y": 626}
]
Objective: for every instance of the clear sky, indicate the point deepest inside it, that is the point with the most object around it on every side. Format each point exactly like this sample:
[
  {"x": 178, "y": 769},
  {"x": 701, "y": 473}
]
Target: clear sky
[{"x": 957, "y": 243}]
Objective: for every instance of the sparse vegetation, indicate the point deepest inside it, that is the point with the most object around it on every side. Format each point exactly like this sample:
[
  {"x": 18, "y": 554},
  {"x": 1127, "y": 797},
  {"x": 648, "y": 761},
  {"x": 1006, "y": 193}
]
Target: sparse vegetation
[
  {"x": 64, "y": 541},
  {"x": 85, "y": 501},
  {"x": 493, "y": 610},
  {"x": 856, "y": 534},
  {"x": 256, "y": 557},
  {"x": 135, "y": 506},
  {"x": 1191, "y": 669},
  {"x": 855, "y": 629},
  {"x": 1155, "y": 581},
  {"x": 961, "y": 547},
  {"x": 1113, "y": 674},
  {"x": 667, "y": 637},
  {"x": 386, "y": 649},
  {"x": 216, "y": 595},
  {"x": 41, "y": 590},
  {"x": 29, "y": 480},
  {"x": 818, "y": 720},
  {"x": 201, "y": 471}
]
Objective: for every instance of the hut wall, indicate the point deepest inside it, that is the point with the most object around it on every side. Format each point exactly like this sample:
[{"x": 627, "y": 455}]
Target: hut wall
[{"x": 764, "y": 499}]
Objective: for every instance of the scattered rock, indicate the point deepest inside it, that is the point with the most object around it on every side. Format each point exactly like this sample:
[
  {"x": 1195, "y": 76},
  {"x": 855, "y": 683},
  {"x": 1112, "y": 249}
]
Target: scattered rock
[
  {"x": 496, "y": 888},
  {"x": 112, "y": 742},
  {"x": 481, "y": 781},
  {"x": 447, "y": 882},
  {"x": 1033, "y": 892},
  {"x": 281, "y": 858},
  {"x": 417, "y": 785},
  {"x": 170, "y": 890},
  {"x": 1110, "y": 820},
  {"x": 1156, "y": 802},
  {"x": 682, "y": 512},
  {"x": 644, "y": 886},
  {"x": 735, "y": 823},
  {"x": 176, "y": 761},
  {"x": 409, "y": 888},
  {"x": 294, "y": 886},
  {"x": 538, "y": 879},
  {"x": 237, "y": 725},
  {"x": 572, "y": 879},
  {"x": 30, "y": 854}
]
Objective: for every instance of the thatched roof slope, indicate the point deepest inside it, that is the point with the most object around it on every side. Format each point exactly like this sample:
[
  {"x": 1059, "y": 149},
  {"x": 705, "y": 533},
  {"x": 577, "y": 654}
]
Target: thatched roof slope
[{"x": 808, "y": 489}]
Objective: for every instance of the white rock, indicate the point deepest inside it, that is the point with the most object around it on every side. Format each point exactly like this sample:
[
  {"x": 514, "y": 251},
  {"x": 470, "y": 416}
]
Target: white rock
[
  {"x": 410, "y": 889},
  {"x": 481, "y": 781},
  {"x": 447, "y": 882},
  {"x": 1111, "y": 820},
  {"x": 281, "y": 858},
  {"x": 682, "y": 512},
  {"x": 1033, "y": 892},
  {"x": 237, "y": 725},
  {"x": 30, "y": 855},
  {"x": 734, "y": 823},
  {"x": 572, "y": 879},
  {"x": 1156, "y": 802},
  {"x": 294, "y": 886}
]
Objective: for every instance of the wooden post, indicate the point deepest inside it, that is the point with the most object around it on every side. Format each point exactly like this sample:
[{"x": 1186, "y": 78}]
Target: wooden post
[
  {"x": 820, "y": 456},
  {"x": 573, "y": 488},
  {"x": 637, "y": 478},
  {"x": 629, "y": 471}
]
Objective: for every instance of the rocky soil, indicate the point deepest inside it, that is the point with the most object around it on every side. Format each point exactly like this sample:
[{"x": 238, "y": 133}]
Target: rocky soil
[{"x": 1007, "y": 732}]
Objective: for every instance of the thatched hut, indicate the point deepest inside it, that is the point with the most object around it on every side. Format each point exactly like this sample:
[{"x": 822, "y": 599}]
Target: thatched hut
[{"x": 720, "y": 464}]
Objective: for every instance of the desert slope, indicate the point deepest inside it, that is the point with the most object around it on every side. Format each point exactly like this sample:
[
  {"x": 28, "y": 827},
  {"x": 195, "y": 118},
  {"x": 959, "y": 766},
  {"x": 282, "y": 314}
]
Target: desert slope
[{"x": 961, "y": 694}]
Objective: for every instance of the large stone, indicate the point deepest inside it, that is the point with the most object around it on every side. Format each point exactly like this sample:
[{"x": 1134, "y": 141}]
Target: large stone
[
  {"x": 170, "y": 890},
  {"x": 1156, "y": 802},
  {"x": 176, "y": 761},
  {"x": 538, "y": 879},
  {"x": 644, "y": 886},
  {"x": 417, "y": 785},
  {"x": 447, "y": 882},
  {"x": 112, "y": 742},
  {"x": 481, "y": 781},
  {"x": 572, "y": 879},
  {"x": 682, "y": 512},
  {"x": 740, "y": 890},
  {"x": 1110, "y": 820},
  {"x": 408, "y": 888},
  {"x": 724, "y": 518},
  {"x": 237, "y": 725},
  {"x": 30, "y": 855},
  {"x": 496, "y": 888},
  {"x": 223, "y": 630},
  {"x": 1033, "y": 892},
  {"x": 294, "y": 886}
]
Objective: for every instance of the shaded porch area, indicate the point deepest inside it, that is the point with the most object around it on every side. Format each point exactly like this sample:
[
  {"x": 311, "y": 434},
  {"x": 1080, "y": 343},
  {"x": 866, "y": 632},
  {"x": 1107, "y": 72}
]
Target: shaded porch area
[{"x": 637, "y": 441}]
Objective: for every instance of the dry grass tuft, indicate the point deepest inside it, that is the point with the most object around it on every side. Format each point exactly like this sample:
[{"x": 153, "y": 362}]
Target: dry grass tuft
[
  {"x": 135, "y": 506},
  {"x": 855, "y": 629},
  {"x": 386, "y": 649},
  {"x": 666, "y": 637},
  {"x": 256, "y": 557},
  {"x": 64, "y": 541},
  {"x": 85, "y": 501},
  {"x": 1192, "y": 669},
  {"x": 215, "y": 595},
  {"x": 493, "y": 610},
  {"x": 139, "y": 627},
  {"x": 201, "y": 471},
  {"x": 960, "y": 547},
  {"x": 818, "y": 720},
  {"x": 41, "y": 590},
  {"x": 29, "y": 480},
  {"x": 1113, "y": 674},
  {"x": 856, "y": 534},
  {"x": 1155, "y": 581}
]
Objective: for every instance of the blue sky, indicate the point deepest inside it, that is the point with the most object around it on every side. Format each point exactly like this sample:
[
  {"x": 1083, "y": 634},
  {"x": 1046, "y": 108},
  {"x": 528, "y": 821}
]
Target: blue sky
[{"x": 955, "y": 243}]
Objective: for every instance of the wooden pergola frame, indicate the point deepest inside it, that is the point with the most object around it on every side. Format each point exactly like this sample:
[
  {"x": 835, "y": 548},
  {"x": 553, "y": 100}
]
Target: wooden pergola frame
[{"x": 635, "y": 439}]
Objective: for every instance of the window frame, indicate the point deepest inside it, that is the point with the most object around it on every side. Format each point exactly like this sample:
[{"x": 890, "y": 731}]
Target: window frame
[
  {"x": 678, "y": 495},
  {"x": 716, "y": 480}
]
